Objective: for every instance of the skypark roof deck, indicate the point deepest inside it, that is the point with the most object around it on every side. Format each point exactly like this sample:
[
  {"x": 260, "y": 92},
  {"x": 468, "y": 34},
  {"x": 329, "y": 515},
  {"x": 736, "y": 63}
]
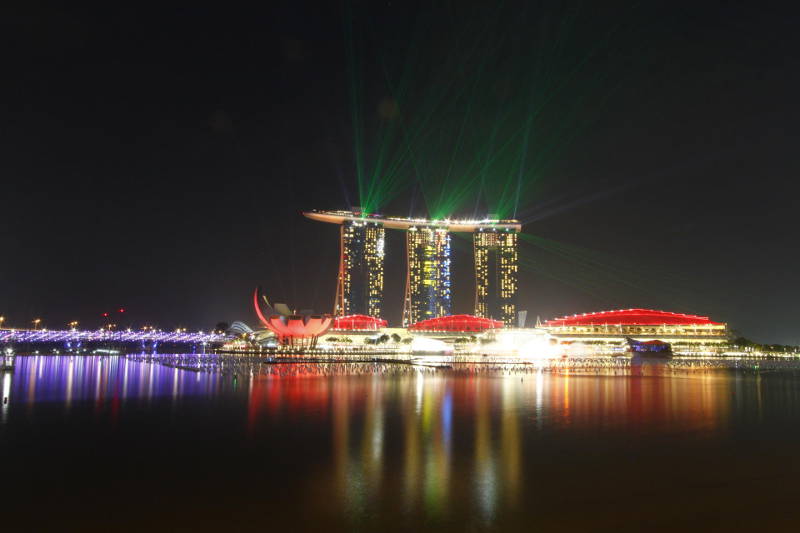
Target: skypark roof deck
[{"x": 404, "y": 223}]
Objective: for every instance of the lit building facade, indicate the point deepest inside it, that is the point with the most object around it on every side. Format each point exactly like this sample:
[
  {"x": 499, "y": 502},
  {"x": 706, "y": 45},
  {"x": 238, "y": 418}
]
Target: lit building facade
[
  {"x": 428, "y": 289},
  {"x": 686, "y": 333},
  {"x": 496, "y": 266},
  {"x": 359, "y": 290},
  {"x": 428, "y": 276}
]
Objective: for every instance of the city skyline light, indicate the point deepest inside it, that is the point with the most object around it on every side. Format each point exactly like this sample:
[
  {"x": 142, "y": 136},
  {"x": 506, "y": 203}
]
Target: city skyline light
[{"x": 645, "y": 150}]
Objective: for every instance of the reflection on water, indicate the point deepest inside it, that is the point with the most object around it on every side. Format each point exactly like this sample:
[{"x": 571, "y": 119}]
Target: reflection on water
[
  {"x": 419, "y": 446},
  {"x": 101, "y": 379}
]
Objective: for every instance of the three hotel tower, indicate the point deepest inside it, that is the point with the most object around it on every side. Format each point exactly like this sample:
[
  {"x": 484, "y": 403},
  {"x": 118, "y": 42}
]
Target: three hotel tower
[{"x": 428, "y": 287}]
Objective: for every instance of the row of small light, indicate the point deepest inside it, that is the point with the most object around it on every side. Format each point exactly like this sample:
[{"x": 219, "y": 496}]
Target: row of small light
[
  {"x": 73, "y": 325},
  {"x": 35, "y": 322},
  {"x": 422, "y": 220},
  {"x": 43, "y": 335}
]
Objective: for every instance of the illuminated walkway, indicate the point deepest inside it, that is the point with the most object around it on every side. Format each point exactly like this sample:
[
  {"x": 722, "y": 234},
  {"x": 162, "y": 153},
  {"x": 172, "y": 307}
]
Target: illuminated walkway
[{"x": 43, "y": 335}]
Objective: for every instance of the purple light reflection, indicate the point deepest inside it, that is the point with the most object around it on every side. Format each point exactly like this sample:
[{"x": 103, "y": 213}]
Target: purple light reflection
[{"x": 99, "y": 379}]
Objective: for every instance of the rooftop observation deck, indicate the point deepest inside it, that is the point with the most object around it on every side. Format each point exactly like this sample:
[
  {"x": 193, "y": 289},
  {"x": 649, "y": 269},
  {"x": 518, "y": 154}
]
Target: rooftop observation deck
[{"x": 405, "y": 223}]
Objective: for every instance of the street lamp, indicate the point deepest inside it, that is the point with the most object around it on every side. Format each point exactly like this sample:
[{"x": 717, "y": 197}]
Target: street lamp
[
  {"x": 36, "y": 323},
  {"x": 2, "y": 319},
  {"x": 73, "y": 324}
]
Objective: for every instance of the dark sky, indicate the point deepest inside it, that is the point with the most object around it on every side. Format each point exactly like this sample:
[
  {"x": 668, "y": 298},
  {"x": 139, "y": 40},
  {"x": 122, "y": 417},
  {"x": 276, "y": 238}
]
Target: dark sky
[{"x": 158, "y": 159}]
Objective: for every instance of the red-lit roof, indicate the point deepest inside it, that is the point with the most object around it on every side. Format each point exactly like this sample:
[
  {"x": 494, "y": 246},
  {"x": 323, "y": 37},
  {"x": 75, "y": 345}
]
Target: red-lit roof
[
  {"x": 639, "y": 317},
  {"x": 458, "y": 323},
  {"x": 359, "y": 323}
]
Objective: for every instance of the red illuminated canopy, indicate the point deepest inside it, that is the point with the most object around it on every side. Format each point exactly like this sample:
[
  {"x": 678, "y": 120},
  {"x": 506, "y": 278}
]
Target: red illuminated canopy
[
  {"x": 359, "y": 323},
  {"x": 456, "y": 323},
  {"x": 638, "y": 317}
]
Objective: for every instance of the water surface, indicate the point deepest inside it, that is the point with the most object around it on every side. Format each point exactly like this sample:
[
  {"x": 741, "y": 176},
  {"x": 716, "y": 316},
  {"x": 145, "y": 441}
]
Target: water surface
[{"x": 94, "y": 443}]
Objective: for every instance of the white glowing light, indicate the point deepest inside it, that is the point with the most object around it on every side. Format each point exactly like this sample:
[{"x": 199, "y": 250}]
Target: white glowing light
[
  {"x": 524, "y": 343},
  {"x": 424, "y": 344}
]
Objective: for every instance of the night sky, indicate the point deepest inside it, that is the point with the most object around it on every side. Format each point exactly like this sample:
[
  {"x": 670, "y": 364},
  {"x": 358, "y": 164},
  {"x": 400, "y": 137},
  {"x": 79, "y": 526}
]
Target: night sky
[{"x": 158, "y": 159}]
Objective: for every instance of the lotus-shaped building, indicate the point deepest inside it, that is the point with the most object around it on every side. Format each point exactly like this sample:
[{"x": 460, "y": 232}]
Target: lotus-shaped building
[{"x": 292, "y": 329}]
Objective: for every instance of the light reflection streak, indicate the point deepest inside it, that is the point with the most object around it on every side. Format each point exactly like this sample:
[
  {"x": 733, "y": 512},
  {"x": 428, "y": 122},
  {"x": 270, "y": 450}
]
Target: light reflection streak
[
  {"x": 411, "y": 470},
  {"x": 341, "y": 439},
  {"x": 151, "y": 381},
  {"x": 372, "y": 439},
  {"x": 419, "y": 390},
  {"x": 447, "y": 418},
  {"x": 175, "y": 384},
  {"x": 6, "y": 399},
  {"x": 32, "y": 380},
  {"x": 511, "y": 441},
  {"x": 484, "y": 484},
  {"x": 70, "y": 378},
  {"x": 437, "y": 459},
  {"x": 539, "y": 399},
  {"x": 98, "y": 372},
  {"x": 125, "y": 380}
]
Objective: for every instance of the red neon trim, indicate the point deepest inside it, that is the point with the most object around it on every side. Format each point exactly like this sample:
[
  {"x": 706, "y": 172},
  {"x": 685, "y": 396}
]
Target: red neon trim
[
  {"x": 639, "y": 317},
  {"x": 460, "y": 323},
  {"x": 359, "y": 323}
]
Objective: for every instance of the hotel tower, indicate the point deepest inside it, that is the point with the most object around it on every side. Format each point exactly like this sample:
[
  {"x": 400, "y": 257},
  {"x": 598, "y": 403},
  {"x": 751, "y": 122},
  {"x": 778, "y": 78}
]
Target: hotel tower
[
  {"x": 496, "y": 274},
  {"x": 428, "y": 275},
  {"x": 428, "y": 292},
  {"x": 359, "y": 290}
]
